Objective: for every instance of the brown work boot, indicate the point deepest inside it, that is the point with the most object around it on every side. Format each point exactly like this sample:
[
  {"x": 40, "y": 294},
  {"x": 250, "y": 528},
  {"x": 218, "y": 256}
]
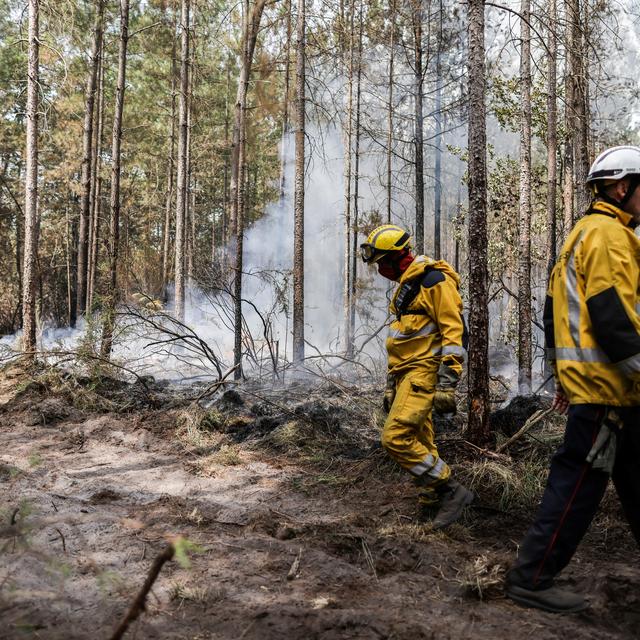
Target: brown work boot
[
  {"x": 552, "y": 599},
  {"x": 455, "y": 497}
]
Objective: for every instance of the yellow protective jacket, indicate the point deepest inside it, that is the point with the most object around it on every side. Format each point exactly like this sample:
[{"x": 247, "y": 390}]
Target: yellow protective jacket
[
  {"x": 592, "y": 328},
  {"x": 430, "y": 329}
]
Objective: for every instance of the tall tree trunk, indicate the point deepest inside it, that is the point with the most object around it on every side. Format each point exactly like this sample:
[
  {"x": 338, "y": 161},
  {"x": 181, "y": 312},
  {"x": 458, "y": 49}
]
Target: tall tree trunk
[
  {"x": 181, "y": 188},
  {"x": 392, "y": 36},
  {"x": 189, "y": 193},
  {"x": 85, "y": 180},
  {"x": 166, "y": 232},
  {"x": 578, "y": 105},
  {"x": 356, "y": 189},
  {"x": 347, "y": 136},
  {"x": 298, "y": 229},
  {"x": 114, "y": 203},
  {"x": 31, "y": 222},
  {"x": 419, "y": 123},
  {"x": 437, "y": 189},
  {"x": 250, "y": 36},
  {"x": 524, "y": 219},
  {"x": 552, "y": 134},
  {"x": 478, "y": 372},
  {"x": 94, "y": 195},
  {"x": 285, "y": 101}
]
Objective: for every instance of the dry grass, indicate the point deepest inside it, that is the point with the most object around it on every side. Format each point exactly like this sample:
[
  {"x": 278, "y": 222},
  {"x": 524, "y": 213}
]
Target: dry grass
[{"x": 483, "y": 578}]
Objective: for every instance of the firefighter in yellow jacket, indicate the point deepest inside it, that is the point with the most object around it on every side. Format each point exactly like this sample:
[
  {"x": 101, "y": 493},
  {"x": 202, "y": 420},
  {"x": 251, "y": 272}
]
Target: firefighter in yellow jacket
[
  {"x": 592, "y": 334},
  {"x": 426, "y": 347}
]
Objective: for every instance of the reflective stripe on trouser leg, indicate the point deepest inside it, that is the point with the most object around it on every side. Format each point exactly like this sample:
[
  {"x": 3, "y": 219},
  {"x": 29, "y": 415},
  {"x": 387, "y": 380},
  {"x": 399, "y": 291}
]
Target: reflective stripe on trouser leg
[{"x": 408, "y": 432}]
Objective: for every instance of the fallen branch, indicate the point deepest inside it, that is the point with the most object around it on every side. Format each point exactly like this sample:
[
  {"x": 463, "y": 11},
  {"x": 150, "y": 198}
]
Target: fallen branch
[
  {"x": 534, "y": 419},
  {"x": 139, "y": 603}
]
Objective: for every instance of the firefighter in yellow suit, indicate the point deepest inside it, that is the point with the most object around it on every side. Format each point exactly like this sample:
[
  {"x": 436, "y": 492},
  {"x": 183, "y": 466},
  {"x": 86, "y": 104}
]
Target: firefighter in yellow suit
[
  {"x": 592, "y": 335},
  {"x": 426, "y": 347}
]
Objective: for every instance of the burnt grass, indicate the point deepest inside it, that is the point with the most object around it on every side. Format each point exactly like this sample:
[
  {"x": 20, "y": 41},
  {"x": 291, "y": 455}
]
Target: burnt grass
[{"x": 303, "y": 527}]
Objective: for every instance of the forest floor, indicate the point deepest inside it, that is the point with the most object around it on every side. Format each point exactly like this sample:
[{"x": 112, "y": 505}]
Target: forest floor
[{"x": 304, "y": 529}]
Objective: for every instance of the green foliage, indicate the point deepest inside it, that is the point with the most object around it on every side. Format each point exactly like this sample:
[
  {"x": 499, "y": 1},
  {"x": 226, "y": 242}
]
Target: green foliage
[{"x": 182, "y": 548}]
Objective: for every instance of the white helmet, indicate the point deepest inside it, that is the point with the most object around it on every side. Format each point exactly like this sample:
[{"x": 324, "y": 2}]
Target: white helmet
[{"x": 615, "y": 163}]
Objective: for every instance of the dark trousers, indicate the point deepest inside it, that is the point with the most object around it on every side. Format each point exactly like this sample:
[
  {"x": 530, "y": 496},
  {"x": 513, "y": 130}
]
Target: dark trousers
[{"x": 574, "y": 491}]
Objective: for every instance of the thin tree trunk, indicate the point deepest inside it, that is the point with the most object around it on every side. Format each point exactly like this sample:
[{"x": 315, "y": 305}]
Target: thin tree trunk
[
  {"x": 347, "y": 135},
  {"x": 437, "y": 205},
  {"x": 578, "y": 107},
  {"x": 250, "y": 36},
  {"x": 356, "y": 190},
  {"x": 190, "y": 212},
  {"x": 285, "y": 101},
  {"x": 252, "y": 24},
  {"x": 96, "y": 150},
  {"x": 392, "y": 36},
  {"x": 524, "y": 219},
  {"x": 478, "y": 372},
  {"x": 166, "y": 240},
  {"x": 298, "y": 230},
  {"x": 552, "y": 134},
  {"x": 181, "y": 187},
  {"x": 419, "y": 124},
  {"x": 114, "y": 204},
  {"x": 31, "y": 223},
  {"x": 570, "y": 124},
  {"x": 85, "y": 180}
]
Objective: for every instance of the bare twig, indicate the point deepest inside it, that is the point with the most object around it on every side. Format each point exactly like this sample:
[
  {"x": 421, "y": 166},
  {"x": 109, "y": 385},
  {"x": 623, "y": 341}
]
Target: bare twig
[
  {"x": 139, "y": 603},
  {"x": 64, "y": 544},
  {"x": 295, "y": 567}
]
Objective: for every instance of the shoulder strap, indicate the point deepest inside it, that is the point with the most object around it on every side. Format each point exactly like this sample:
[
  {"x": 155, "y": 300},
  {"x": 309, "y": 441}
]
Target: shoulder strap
[{"x": 410, "y": 290}]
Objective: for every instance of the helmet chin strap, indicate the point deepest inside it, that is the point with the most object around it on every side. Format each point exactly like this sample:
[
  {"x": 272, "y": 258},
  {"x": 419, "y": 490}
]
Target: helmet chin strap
[{"x": 633, "y": 185}]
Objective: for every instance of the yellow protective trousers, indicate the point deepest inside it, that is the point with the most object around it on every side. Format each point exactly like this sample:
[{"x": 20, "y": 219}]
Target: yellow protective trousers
[{"x": 408, "y": 434}]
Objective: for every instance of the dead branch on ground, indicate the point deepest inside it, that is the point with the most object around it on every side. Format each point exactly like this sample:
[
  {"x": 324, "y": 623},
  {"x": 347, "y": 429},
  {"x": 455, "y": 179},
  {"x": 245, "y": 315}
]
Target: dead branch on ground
[{"x": 139, "y": 603}]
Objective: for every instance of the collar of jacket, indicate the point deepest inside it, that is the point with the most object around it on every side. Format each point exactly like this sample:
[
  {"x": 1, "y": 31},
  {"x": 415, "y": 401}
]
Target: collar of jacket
[
  {"x": 421, "y": 263},
  {"x": 600, "y": 206}
]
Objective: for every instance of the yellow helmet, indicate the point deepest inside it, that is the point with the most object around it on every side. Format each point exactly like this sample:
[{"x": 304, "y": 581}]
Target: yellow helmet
[{"x": 385, "y": 238}]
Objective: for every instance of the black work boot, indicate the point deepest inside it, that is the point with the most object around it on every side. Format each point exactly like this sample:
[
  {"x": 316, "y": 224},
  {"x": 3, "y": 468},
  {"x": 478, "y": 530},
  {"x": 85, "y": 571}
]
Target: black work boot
[
  {"x": 552, "y": 599},
  {"x": 455, "y": 497}
]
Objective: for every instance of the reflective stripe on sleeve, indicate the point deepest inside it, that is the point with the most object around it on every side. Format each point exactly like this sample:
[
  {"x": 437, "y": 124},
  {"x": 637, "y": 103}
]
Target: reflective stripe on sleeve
[
  {"x": 573, "y": 297},
  {"x": 581, "y": 355},
  {"x": 630, "y": 365},
  {"x": 452, "y": 350},
  {"x": 425, "y": 331}
]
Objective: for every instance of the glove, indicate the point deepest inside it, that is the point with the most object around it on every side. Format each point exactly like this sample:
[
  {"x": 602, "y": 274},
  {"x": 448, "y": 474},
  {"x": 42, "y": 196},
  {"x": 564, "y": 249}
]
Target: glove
[
  {"x": 444, "y": 400},
  {"x": 389, "y": 393}
]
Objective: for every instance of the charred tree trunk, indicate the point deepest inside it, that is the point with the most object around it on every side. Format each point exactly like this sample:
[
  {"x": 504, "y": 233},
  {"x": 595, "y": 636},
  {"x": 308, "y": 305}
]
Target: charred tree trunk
[
  {"x": 85, "y": 180},
  {"x": 552, "y": 134},
  {"x": 524, "y": 219},
  {"x": 114, "y": 222},
  {"x": 478, "y": 373},
  {"x": 298, "y": 231},
  {"x": 181, "y": 187},
  {"x": 31, "y": 222}
]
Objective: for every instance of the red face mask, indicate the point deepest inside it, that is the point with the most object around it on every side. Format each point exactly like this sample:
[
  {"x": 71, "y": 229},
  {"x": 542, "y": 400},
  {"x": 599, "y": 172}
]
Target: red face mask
[{"x": 394, "y": 264}]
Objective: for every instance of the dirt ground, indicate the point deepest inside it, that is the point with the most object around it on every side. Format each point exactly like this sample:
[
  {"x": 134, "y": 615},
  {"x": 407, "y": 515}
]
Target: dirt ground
[{"x": 304, "y": 529}]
